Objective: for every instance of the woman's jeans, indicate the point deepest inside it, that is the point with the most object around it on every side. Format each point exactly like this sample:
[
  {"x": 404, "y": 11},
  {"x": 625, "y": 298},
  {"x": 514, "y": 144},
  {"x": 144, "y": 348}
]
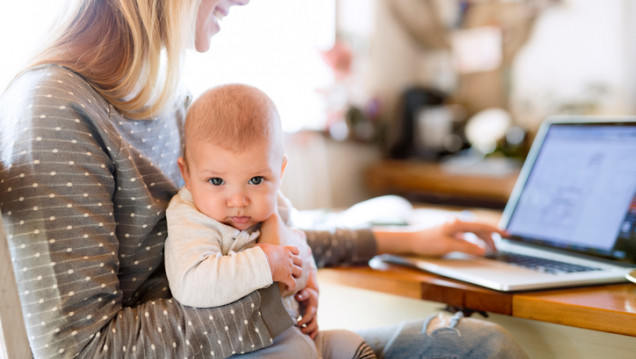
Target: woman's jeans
[
  {"x": 443, "y": 336},
  {"x": 440, "y": 336}
]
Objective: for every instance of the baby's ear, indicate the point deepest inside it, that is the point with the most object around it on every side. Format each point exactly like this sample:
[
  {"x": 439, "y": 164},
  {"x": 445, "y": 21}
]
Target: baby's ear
[
  {"x": 284, "y": 164},
  {"x": 185, "y": 173}
]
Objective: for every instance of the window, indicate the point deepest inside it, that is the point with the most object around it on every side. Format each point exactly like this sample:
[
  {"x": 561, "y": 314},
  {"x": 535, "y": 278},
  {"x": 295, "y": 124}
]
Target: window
[
  {"x": 273, "y": 45},
  {"x": 22, "y": 24}
]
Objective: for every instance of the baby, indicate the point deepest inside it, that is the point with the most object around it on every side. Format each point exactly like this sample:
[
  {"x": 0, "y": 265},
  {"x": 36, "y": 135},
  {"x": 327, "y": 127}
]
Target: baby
[{"x": 232, "y": 168}]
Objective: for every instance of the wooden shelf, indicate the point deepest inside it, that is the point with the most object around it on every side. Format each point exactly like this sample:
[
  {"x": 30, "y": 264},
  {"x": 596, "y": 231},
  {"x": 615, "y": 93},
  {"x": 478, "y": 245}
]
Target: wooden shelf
[{"x": 431, "y": 182}]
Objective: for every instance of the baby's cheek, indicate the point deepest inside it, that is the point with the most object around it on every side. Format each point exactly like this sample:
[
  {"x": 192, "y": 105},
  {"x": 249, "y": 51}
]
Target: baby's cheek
[{"x": 211, "y": 209}]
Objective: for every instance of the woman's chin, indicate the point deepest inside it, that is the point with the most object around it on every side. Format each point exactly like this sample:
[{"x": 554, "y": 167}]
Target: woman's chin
[{"x": 203, "y": 44}]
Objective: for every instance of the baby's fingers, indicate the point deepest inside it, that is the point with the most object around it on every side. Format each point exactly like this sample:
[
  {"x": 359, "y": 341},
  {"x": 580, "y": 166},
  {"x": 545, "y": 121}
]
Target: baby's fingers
[{"x": 296, "y": 263}]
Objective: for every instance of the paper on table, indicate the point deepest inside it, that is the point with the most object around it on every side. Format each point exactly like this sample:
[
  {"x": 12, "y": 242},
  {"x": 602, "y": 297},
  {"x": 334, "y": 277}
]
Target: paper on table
[{"x": 384, "y": 211}]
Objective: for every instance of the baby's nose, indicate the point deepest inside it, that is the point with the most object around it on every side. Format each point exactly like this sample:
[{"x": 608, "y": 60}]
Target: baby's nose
[{"x": 237, "y": 199}]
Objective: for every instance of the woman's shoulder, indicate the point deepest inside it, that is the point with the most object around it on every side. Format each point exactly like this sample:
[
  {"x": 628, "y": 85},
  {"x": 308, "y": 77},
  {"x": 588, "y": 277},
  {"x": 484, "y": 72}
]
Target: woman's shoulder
[
  {"x": 50, "y": 97},
  {"x": 51, "y": 85},
  {"x": 47, "y": 74}
]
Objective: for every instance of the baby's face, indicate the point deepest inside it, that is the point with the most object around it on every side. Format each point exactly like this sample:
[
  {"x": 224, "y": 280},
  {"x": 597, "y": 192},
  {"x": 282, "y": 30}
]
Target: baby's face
[{"x": 236, "y": 188}]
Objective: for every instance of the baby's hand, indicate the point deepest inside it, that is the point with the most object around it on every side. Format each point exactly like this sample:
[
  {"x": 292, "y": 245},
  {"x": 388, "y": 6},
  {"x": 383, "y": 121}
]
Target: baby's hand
[
  {"x": 285, "y": 264},
  {"x": 274, "y": 231},
  {"x": 308, "y": 299}
]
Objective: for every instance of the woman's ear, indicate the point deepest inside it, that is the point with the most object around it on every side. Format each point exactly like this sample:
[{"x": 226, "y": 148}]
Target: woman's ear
[{"x": 185, "y": 173}]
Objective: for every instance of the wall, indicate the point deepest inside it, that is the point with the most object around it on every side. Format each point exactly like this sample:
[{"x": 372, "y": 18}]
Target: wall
[
  {"x": 324, "y": 173},
  {"x": 578, "y": 59}
]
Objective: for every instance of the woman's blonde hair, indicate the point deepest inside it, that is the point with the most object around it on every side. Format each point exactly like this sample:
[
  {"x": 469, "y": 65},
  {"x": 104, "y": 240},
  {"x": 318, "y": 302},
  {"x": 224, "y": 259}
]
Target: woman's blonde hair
[{"x": 131, "y": 51}]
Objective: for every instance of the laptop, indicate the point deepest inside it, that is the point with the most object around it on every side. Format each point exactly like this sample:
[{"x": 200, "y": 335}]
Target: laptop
[{"x": 571, "y": 215}]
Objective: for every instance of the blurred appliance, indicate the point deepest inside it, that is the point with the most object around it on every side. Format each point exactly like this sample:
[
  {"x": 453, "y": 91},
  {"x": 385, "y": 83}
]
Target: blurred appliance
[{"x": 427, "y": 128}]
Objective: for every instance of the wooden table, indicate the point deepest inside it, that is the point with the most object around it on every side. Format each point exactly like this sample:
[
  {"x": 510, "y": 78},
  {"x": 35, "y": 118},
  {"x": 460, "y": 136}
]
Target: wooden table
[{"x": 607, "y": 308}]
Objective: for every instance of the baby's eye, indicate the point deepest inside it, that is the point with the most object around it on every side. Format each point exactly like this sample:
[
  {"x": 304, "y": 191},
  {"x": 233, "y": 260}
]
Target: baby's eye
[
  {"x": 257, "y": 180},
  {"x": 216, "y": 181}
]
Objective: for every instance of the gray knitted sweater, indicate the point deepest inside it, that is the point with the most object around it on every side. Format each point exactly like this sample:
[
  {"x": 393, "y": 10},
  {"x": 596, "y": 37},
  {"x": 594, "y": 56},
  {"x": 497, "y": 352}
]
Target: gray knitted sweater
[{"x": 83, "y": 193}]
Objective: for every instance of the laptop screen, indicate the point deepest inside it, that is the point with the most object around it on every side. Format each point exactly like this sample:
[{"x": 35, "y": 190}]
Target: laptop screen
[{"x": 577, "y": 190}]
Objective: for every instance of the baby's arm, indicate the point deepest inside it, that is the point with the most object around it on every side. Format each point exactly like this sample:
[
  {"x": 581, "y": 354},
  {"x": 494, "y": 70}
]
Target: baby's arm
[
  {"x": 198, "y": 273},
  {"x": 285, "y": 265}
]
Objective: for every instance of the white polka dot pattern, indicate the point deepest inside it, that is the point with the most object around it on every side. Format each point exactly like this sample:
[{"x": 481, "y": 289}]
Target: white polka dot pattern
[{"x": 83, "y": 195}]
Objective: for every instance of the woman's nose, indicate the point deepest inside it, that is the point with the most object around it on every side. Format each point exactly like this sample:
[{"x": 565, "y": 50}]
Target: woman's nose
[{"x": 240, "y": 2}]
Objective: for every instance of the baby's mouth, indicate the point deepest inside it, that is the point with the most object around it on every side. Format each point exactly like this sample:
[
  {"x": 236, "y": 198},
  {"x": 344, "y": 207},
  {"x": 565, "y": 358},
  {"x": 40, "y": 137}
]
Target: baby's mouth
[{"x": 240, "y": 219}]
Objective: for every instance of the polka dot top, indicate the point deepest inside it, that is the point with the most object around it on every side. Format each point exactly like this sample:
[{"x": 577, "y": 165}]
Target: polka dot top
[{"x": 83, "y": 193}]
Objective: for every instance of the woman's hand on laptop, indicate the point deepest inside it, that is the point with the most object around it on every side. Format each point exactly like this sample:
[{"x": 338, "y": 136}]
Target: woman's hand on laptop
[{"x": 456, "y": 236}]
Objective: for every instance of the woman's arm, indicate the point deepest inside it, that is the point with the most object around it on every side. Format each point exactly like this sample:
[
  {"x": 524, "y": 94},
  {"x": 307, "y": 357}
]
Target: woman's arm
[
  {"x": 341, "y": 246},
  {"x": 349, "y": 246},
  {"x": 438, "y": 240},
  {"x": 83, "y": 205}
]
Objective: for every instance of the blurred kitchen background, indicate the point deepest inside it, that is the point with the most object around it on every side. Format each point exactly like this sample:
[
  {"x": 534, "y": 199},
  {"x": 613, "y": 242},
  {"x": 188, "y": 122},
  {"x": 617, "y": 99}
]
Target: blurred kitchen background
[{"x": 404, "y": 96}]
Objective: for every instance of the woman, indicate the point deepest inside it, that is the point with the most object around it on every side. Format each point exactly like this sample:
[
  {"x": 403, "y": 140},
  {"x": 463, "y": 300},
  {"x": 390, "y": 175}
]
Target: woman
[{"x": 90, "y": 134}]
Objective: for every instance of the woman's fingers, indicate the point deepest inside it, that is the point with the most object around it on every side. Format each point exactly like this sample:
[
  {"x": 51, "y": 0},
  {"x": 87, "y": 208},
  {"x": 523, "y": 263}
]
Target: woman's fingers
[
  {"x": 308, "y": 323},
  {"x": 483, "y": 232}
]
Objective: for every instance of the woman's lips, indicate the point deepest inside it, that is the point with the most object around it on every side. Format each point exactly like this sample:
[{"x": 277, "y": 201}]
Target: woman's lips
[{"x": 219, "y": 14}]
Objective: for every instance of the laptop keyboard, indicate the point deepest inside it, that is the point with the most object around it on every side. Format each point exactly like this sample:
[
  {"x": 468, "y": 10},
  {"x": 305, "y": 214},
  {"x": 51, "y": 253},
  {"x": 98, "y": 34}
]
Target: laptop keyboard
[{"x": 541, "y": 264}]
